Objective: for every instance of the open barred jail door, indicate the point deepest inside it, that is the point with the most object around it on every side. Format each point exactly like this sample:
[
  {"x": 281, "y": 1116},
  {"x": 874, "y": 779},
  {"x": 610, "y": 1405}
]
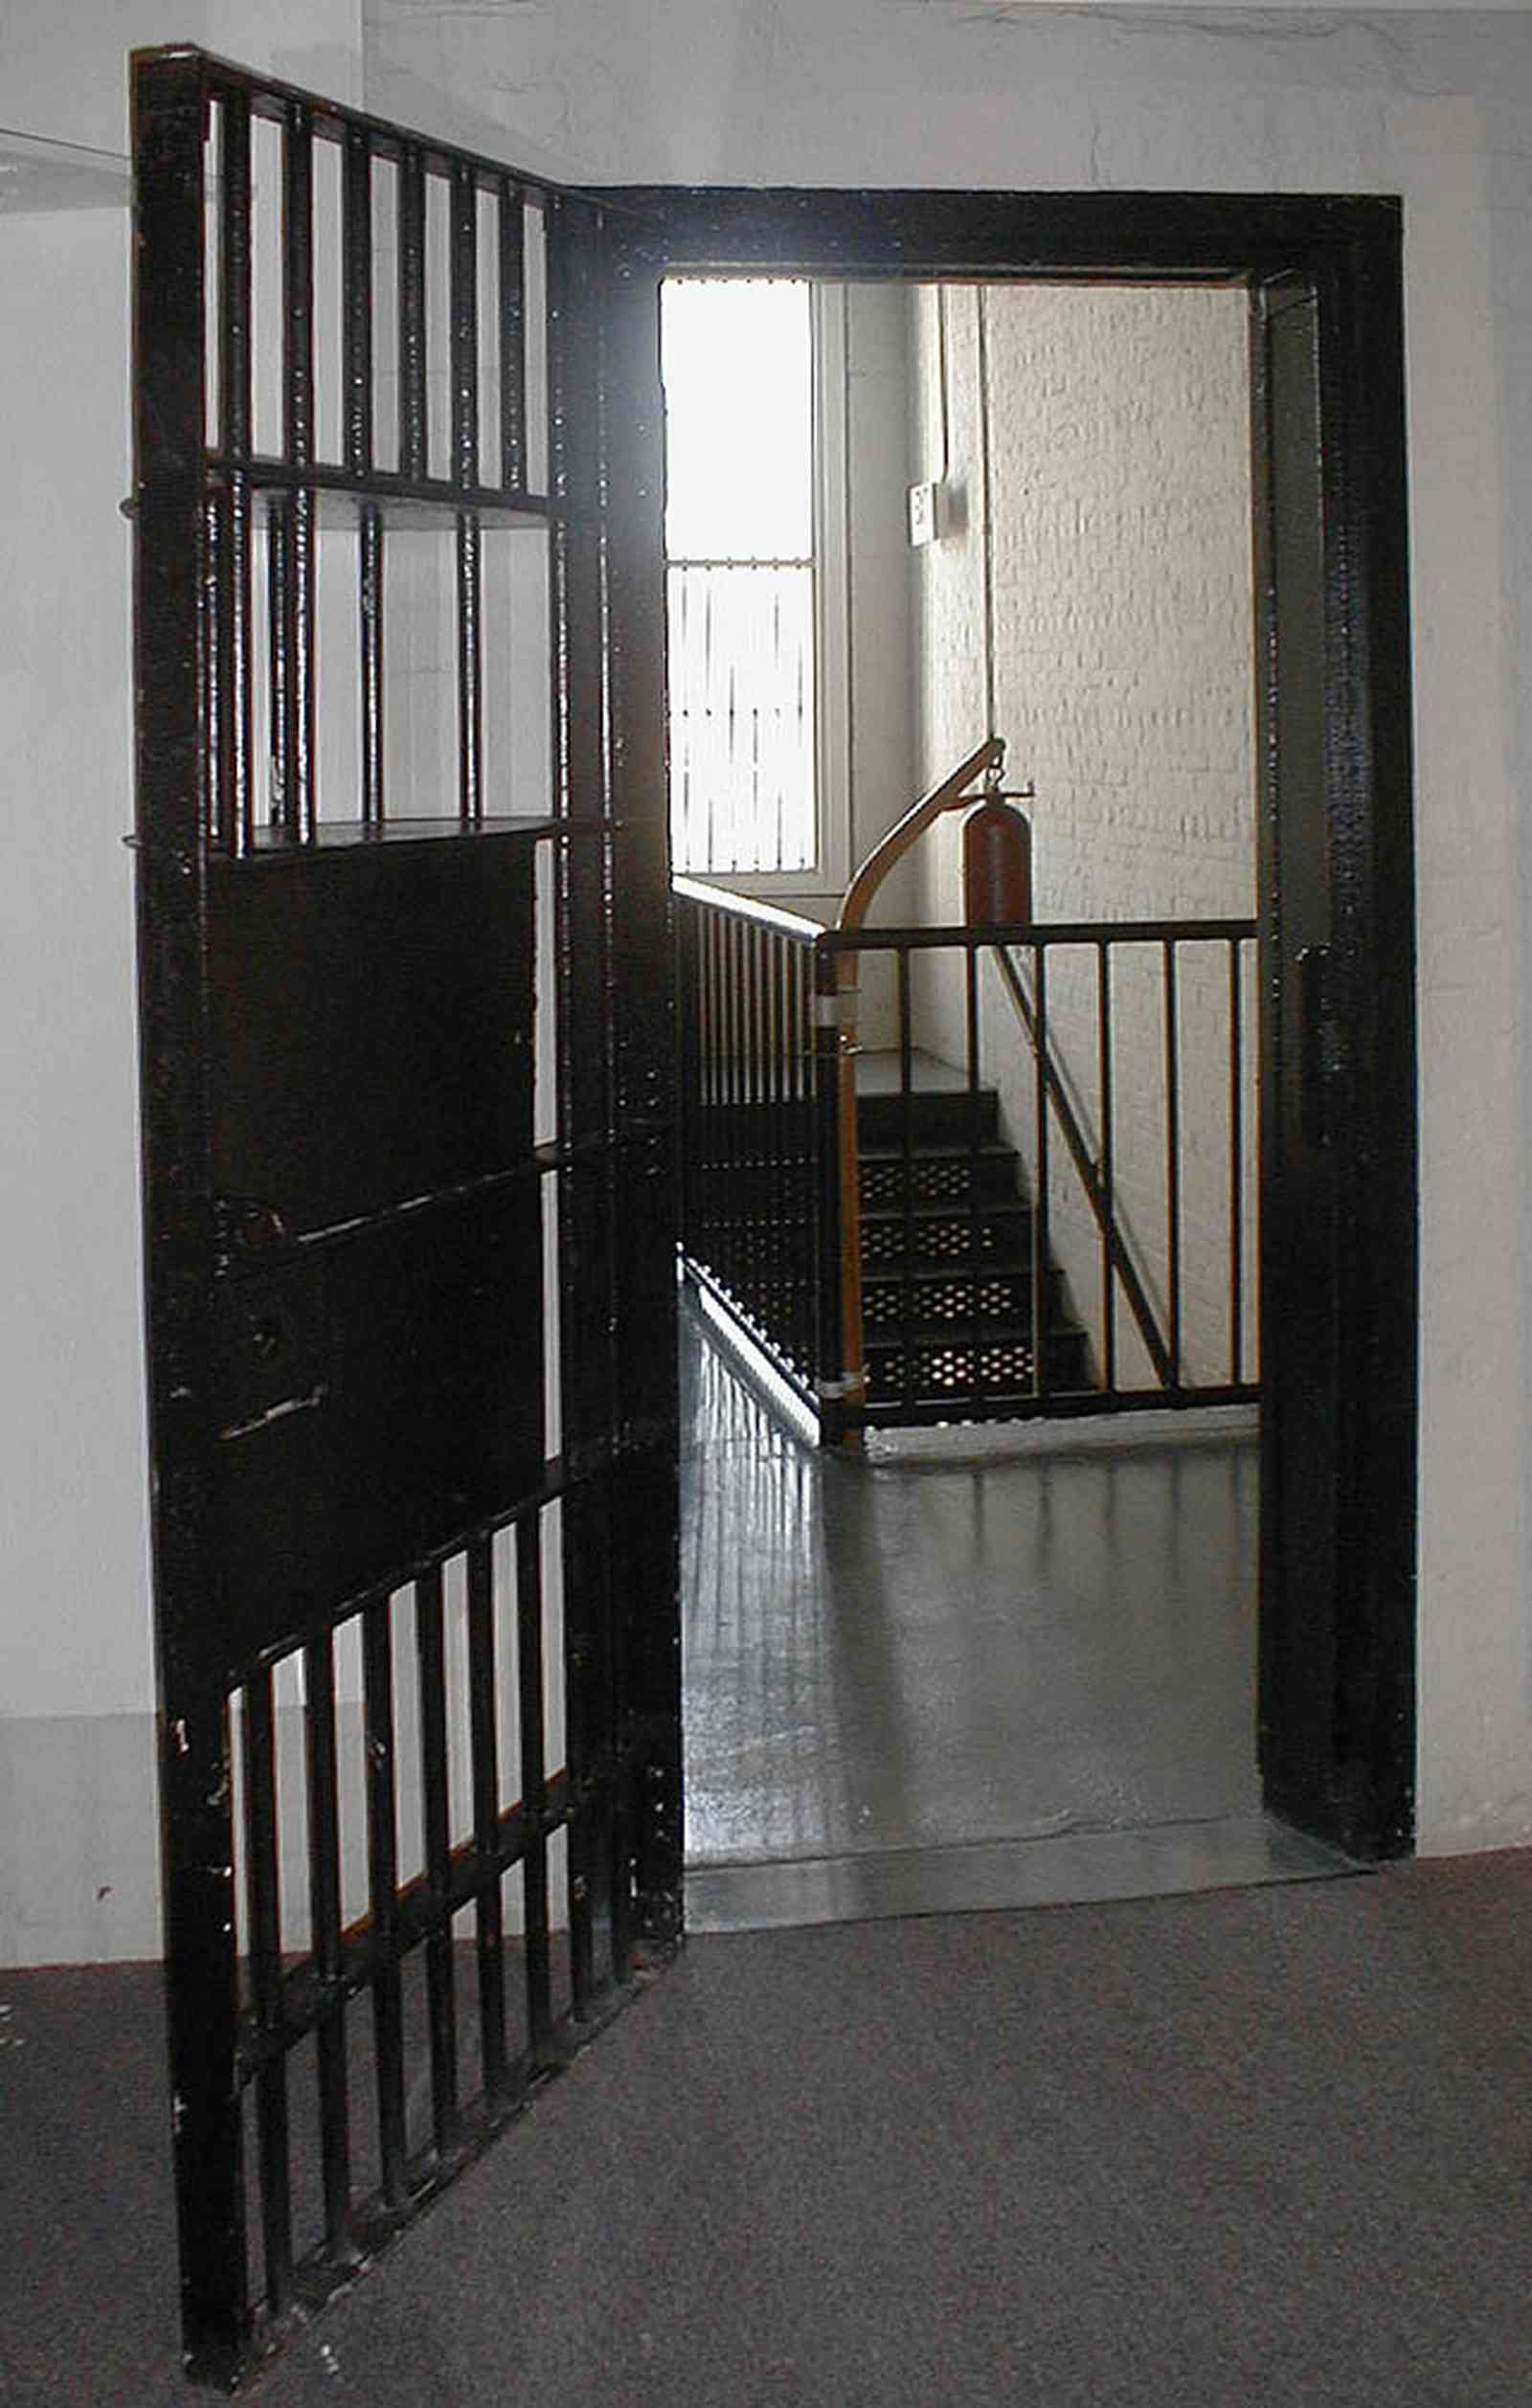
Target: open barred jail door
[{"x": 407, "y": 1104}]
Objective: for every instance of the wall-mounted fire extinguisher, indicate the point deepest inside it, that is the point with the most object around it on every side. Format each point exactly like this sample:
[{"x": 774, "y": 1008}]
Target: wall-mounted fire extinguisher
[{"x": 997, "y": 860}]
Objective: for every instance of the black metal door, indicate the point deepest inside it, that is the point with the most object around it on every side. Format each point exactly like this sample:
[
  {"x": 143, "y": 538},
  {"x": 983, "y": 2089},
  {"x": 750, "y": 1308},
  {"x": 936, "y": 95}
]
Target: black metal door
[{"x": 405, "y": 1060}]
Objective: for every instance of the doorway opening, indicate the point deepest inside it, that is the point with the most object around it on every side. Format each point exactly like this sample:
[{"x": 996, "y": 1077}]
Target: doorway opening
[
  {"x": 1034, "y": 514},
  {"x": 1325, "y": 455}
]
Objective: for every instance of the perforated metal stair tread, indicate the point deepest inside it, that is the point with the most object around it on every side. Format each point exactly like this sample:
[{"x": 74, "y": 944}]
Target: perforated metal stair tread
[
  {"x": 958, "y": 1332},
  {"x": 936, "y": 1150},
  {"x": 958, "y": 1314}
]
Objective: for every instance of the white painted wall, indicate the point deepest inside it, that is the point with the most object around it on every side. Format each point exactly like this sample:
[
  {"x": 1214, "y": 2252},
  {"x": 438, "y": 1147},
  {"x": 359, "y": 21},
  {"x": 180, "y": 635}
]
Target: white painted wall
[
  {"x": 1106, "y": 432},
  {"x": 1431, "y": 105},
  {"x": 78, "y": 1814}
]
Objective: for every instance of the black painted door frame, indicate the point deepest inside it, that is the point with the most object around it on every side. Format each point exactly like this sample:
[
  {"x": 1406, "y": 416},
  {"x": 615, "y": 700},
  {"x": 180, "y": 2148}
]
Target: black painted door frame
[{"x": 1339, "y": 1302}]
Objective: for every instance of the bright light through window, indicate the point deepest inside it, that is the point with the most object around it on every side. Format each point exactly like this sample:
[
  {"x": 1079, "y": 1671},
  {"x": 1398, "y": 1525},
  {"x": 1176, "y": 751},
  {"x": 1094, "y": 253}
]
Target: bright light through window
[
  {"x": 738, "y": 386},
  {"x": 736, "y": 358}
]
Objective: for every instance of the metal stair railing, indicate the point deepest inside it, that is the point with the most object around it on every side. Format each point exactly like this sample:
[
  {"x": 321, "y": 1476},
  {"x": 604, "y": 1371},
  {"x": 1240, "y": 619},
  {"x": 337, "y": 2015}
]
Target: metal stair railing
[{"x": 771, "y": 1205}]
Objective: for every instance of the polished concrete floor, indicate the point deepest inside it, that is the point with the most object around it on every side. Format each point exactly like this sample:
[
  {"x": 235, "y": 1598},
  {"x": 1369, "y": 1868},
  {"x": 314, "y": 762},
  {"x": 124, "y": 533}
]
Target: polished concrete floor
[{"x": 965, "y": 1641}]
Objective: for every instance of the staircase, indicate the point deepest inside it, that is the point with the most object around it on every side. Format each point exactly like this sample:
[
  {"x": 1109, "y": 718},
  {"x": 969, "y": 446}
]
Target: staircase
[{"x": 947, "y": 1249}]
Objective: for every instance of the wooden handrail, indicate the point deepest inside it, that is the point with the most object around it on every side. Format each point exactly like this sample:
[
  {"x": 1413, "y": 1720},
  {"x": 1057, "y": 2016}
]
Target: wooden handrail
[{"x": 950, "y": 794}]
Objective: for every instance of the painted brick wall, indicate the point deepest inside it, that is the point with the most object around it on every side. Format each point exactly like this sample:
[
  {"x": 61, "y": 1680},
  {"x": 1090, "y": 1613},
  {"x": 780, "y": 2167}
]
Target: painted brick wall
[{"x": 1118, "y": 638}]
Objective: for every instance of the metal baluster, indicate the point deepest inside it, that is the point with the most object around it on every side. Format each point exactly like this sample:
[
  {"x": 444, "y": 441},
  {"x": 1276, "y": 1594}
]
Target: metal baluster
[
  {"x": 1236, "y": 1169},
  {"x": 1041, "y": 1382},
  {"x": 970, "y": 1040},
  {"x": 1172, "y": 1161},
  {"x": 908, "y": 1349},
  {"x": 1105, "y": 1173}
]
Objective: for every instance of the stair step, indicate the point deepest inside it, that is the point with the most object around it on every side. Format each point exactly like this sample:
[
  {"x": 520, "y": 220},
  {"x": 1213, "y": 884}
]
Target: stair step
[
  {"x": 937, "y": 1173},
  {"x": 937, "y": 1116},
  {"x": 938, "y": 1367},
  {"x": 938, "y": 1296}
]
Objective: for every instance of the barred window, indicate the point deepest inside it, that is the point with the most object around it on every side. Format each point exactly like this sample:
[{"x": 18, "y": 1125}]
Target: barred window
[{"x": 754, "y": 569}]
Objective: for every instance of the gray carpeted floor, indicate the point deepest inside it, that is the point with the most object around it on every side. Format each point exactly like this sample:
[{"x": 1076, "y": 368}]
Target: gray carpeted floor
[{"x": 1270, "y": 2146}]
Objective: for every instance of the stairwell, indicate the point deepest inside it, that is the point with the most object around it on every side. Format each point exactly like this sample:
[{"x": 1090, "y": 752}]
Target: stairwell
[{"x": 947, "y": 1242}]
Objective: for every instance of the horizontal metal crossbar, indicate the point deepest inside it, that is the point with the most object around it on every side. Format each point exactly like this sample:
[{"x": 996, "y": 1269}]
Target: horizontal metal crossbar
[{"x": 307, "y": 1997}]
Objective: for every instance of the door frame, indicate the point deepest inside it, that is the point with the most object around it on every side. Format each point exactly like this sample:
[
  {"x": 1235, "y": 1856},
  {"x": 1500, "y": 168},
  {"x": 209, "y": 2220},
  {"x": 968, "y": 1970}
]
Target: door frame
[{"x": 1343, "y": 1768}]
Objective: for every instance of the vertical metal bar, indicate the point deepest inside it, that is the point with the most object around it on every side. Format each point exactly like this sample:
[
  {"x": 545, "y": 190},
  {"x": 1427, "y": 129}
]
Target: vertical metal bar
[
  {"x": 279, "y": 740},
  {"x": 238, "y": 781},
  {"x": 729, "y": 933},
  {"x": 357, "y": 240},
  {"x": 436, "y": 1822},
  {"x": 590, "y": 904},
  {"x": 369, "y": 621},
  {"x": 908, "y": 1350},
  {"x": 971, "y": 1042},
  {"x": 234, "y": 385},
  {"x": 234, "y": 277},
  {"x": 482, "y": 1692},
  {"x": 775, "y": 1053},
  {"x": 357, "y": 234},
  {"x": 464, "y": 357},
  {"x": 465, "y": 335},
  {"x": 718, "y": 1136},
  {"x": 534, "y": 1782},
  {"x": 580, "y": 1693},
  {"x": 759, "y": 1208},
  {"x": 471, "y": 671},
  {"x": 1041, "y": 1382},
  {"x": 325, "y": 1928},
  {"x": 382, "y": 1883},
  {"x": 1236, "y": 1169},
  {"x": 413, "y": 423},
  {"x": 829, "y": 1344},
  {"x": 264, "y": 1920},
  {"x": 298, "y": 434},
  {"x": 807, "y": 1202},
  {"x": 297, "y": 286},
  {"x": 1106, "y": 1172},
  {"x": 1172, "y": 1161},
  {"x": 300, "y": 749},
  {"x": 688, "y": 1025},
  {"x": 788, "y": 956},
  {"x": 696, "y": 921},
  {"x": 512, "y": 341},
  {"x": 216, "y": 816}
]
